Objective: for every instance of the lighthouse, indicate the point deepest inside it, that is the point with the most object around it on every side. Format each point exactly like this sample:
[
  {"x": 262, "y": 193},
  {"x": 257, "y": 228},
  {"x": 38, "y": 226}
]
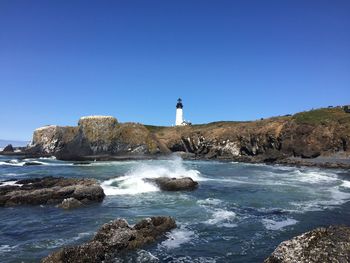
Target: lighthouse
[{"x": 179, "y": 113}]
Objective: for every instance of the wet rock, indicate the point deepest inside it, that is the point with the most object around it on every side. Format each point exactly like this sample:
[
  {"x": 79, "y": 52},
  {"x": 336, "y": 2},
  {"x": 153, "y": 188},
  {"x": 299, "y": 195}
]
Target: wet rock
[
  {"x": 175, "y": 184},
  {"x": 8, "y": 149},
  {"x": 31, "y": 163},
  {"x": 324, "y": 245},
  {"x": 50, "y": 190},
  {"x": 70, "y": 203},
  {"x": 310, "y": 153},
  {"x": 112, "y": 238}
]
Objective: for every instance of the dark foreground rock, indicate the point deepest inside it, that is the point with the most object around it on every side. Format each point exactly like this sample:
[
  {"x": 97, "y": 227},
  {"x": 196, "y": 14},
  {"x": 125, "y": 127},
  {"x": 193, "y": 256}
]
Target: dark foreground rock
[
  {"x": 113, "y": 238},
  {"x": 324, "y": 245},
  {"x": 50, "y": 190},
  {"x": 174, "y": 184}
]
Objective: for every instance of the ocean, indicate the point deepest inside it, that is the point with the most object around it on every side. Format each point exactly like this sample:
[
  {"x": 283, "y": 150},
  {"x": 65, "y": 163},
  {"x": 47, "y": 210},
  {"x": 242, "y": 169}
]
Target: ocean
[{"x": 239, "y": 213}]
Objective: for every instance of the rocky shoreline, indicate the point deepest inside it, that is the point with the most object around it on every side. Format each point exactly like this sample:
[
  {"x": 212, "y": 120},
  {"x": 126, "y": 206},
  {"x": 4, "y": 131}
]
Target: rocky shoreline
[
  {"x": 329, "y": 162},
  {"x": 315, "y": 138},
  {"x": 50, "y": 191}
]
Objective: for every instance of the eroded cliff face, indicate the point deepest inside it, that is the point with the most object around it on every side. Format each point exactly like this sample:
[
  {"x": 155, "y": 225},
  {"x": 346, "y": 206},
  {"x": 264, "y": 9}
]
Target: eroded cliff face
[
  {"x": 94, "y": 135},
  {"x": 305, "y": 135}
]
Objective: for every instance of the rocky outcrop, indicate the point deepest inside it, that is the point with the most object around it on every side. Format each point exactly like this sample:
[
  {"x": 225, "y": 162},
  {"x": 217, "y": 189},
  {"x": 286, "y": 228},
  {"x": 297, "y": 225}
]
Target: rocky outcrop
[
  {"x": 324, "y": 245},
  {"x": 49, "y": 190},
  {"x": 8, "y": 149},
  {"x": 174, "y": 184},
  {"x": 113, "y": 238},
  {"x": 94, "y": 136},
  {"x": 307, "y": 135}
]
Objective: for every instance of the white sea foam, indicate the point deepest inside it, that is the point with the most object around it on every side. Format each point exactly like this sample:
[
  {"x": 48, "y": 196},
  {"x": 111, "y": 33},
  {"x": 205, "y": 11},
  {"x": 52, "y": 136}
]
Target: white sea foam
[
  {"x": 145, "y": 256},
  {"x": 110, "y": 163},
  {"x": 13, "y": 174},
  {"x": 142, "y": 256},
  {"x": 346, "y": 184},
  {"x": 9, "y": 183},
  {"x": 81, "y": 235},
  {"x": 15, "y": 162},
  {"x": 127, "y": 185},
  {"x": 134, "y": 181},
  {"x": 209, "y": 202},
  {"x": 48, "y": 158},
  {"x": 49, "y": 244},
  {"x": 312, "y": 176},
  {"x": 328, "y": 199},
  {"x": 177, "y": 237},
  {"x": 222, "y": 218},
  {"x": 277, "y": 225},
  {"x": 6, "y": 248}
]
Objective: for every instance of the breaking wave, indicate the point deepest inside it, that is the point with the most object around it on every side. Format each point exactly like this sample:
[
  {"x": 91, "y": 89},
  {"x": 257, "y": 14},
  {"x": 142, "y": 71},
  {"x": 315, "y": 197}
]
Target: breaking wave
[
  {"x": 270, "y": 224},
  {"x": 177, "y": 237},
  {"x": 134, "y": 182},
  {"x": 222, "y": 218}
]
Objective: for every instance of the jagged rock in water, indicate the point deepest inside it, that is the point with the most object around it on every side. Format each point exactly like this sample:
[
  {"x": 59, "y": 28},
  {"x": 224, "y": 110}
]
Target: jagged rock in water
[
  {"x": 50, "y": 190},
  {"x": 112, "y": 238},
  {"x": 323, "y": 245},
  {"x": 70, "y": 203},
  {"x": 174, "y": 184},
  {"x": 8, "y": 149}
]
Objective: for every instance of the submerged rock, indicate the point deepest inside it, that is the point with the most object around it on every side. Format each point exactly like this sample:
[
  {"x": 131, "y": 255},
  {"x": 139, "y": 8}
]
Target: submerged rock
[
  {"x": 70, "y": 203},
  {"x": 112, "y": 238},
  {"x": 175, "y": 184},
  {"x": 50, "y": 190},
  {"x": 324, "y": 245},
  {"x": 31, "y": 163}
]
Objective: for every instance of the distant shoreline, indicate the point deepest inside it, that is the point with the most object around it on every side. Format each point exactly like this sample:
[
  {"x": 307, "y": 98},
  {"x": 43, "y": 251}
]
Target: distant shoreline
[{"x": 328, "y": 162}]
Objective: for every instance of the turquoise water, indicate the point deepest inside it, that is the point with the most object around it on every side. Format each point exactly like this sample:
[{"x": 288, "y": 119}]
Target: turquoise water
[{"x": 239, "y": 213}]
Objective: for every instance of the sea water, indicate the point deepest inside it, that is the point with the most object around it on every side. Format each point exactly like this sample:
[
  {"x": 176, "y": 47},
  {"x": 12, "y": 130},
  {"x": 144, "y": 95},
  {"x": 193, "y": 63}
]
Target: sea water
[{"x": 239, "y": 213}]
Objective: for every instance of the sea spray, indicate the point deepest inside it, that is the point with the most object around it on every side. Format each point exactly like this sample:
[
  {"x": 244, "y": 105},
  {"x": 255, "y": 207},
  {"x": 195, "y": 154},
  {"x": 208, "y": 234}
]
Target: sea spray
[{"x": 133, "y": 182}]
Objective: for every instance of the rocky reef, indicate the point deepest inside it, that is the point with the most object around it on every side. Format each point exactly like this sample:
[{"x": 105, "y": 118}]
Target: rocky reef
[
  {"x": 113, "y": 238},
  {"x": 50, "y": 190},
  {"x": 305, "y": 135},
  {"x": 174, "y": 184},
  {"x": 326, "y": 245}
]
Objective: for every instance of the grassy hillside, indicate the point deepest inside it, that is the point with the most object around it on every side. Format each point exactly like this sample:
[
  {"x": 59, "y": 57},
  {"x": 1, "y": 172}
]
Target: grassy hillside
[{"x": 322, "y": 116}]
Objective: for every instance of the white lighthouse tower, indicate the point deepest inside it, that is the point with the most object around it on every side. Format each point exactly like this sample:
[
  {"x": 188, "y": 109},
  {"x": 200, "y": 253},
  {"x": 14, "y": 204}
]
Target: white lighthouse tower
[{"x": 179, "y": 113}]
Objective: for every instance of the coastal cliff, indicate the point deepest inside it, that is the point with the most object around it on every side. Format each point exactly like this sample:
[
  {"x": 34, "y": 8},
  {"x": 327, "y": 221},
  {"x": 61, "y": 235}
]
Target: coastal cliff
[
  {"x": 94, "y": 136},
  {"x": 305, "y": 135}
]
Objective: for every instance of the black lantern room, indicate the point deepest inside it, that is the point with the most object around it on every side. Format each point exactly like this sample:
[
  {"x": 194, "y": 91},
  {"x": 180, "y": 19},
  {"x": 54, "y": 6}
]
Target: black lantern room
[{"x": 179, "y": 104}]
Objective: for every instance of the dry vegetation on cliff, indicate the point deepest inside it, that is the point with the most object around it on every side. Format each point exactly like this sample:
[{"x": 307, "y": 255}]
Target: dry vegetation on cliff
[{"x": 307, "y": 135}]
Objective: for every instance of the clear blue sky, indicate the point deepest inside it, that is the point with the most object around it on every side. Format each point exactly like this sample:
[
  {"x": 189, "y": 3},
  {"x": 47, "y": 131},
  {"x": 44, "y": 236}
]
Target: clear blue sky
[{"x": 228, "y": 60}]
